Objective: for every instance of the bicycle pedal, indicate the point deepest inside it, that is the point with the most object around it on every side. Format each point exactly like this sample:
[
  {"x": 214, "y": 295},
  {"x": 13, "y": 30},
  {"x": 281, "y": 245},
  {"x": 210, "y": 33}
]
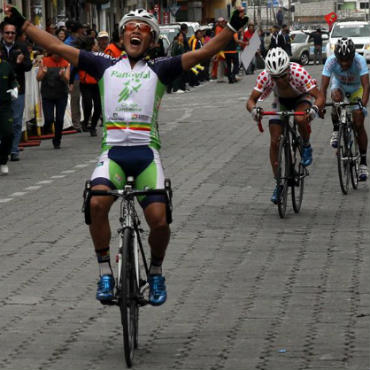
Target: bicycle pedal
[{"x": 109, "y": 303}]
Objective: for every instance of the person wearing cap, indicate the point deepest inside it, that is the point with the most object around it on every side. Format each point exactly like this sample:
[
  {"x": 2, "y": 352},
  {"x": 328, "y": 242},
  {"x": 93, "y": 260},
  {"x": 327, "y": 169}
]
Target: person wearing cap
[
  {"x": 131, "y": 87},
  {"x": 103, "y": 40}
]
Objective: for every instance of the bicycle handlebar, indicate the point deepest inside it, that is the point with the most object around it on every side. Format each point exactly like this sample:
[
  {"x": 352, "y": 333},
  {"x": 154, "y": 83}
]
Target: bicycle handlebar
[
  {"x": 275, "y": 113},
  {"x": 345, "y": 104}
]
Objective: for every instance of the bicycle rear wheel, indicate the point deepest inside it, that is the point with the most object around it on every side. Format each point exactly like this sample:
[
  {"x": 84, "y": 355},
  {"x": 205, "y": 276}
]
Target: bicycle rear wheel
[
  {"x": 283, "y": 175},
  {"x": 343, "y": 159},
  {"x": 128, "y": 296},
  {"x": 355, "y": 160},
  {"x": 297, "y": 177}
]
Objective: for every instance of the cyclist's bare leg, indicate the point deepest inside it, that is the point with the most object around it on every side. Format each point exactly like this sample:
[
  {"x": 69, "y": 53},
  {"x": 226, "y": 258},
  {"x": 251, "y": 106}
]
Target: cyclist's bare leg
[
  {"x": 276, "y": 131},
  {"x": 159, "y": 236},
  {"x": 358, "y": 120},
  {"x": 100, "y": 229},
  {"x": 303, "y": 122},
  {"x": 336, "y": 96}
]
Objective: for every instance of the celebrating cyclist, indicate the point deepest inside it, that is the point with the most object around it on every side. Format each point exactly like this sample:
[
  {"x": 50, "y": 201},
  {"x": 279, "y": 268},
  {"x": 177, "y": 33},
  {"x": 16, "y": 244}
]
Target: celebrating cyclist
[
  {"x": 350, "y": 77},
  {"x": 131, "y": 88},
  {"x": 294, "y": 89}
]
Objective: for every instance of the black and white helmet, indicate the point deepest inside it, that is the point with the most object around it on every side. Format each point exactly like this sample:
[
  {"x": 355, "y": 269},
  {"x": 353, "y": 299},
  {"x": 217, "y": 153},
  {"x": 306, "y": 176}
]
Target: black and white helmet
[
  {"x": 344, "y": 49},
  {"x": 141, "y": 15},
  {"x": 277, "y": 61}
]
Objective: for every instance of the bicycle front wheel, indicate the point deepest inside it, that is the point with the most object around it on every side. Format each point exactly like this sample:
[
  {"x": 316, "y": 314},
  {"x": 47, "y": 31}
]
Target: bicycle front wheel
[
  {"x": 128, "y": 296},
  {"x": 297, "y": 178},
  {"x": 283, "y": 175},
  {"x": 344, "y": 160}
]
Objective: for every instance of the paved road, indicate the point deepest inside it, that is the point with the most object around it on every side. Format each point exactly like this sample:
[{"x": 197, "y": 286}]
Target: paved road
[{"x": 247, "y": 290}]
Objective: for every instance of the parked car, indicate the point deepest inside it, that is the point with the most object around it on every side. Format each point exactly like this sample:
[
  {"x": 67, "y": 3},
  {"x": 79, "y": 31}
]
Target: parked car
[
  {"x": 302, "y": 48},
  {"x": 359, "y": 32},
  {"x": 168, "y": 33}
]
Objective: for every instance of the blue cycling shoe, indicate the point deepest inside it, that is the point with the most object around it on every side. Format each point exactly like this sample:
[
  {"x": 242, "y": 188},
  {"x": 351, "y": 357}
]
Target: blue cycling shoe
[
  {"x": 105, "y": 292},
  {"x": 275, "y": 195},
  {"x": 306, "y": 156},
  {"x": 158, "y": 293}
]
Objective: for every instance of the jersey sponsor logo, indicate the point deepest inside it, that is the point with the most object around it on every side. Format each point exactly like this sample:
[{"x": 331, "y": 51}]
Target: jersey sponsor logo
[
  {"x": 131, "y": 75},
  {"x": 128, "y": 90},
  {"x": 139, "y": 117}
]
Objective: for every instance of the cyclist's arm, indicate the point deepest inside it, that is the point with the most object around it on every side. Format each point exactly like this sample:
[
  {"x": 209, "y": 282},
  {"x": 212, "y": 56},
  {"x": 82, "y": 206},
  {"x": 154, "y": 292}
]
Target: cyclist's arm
[
  {"x": 252, "y": 101},
  {"x": 365, "y": 87},
  {"x": 324, "y": 85},
  {"x": 319, "y": 97},
  {"x": 51, "y": 43},
  {"x": 192, "y": 58}
]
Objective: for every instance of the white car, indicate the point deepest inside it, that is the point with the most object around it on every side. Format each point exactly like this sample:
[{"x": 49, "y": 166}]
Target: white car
[{"x": 359, "y": 32}]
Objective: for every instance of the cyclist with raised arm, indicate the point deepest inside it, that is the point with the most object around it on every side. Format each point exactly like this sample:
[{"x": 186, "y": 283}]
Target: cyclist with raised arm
[
  {"x": 293, "y": 89},
  {"x": 350, "y": 77},
  {"x": 131, "y": 88}
]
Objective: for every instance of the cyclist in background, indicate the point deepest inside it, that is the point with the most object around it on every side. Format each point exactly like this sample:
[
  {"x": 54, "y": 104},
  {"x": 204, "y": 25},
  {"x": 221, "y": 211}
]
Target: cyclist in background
[
  {"x": 131, "y": 88},
  {"x": 350, "y": 77},
  {"x": 294, "y": 89}
]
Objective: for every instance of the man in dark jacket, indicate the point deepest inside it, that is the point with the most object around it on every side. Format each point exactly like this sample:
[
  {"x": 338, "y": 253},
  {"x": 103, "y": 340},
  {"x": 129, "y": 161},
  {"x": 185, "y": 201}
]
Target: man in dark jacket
[
  {"x": 17, "y": 55},
  {"x": 316, "y": 37},
  {"x": 8, "y": 91}
]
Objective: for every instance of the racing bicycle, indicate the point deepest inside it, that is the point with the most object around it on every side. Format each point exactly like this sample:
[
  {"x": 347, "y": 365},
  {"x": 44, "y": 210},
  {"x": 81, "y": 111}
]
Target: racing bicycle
[
  {"x": 290, "y": 172},
  {"x": 348, "y": 154},
  {"x": 131, "y": 280}
]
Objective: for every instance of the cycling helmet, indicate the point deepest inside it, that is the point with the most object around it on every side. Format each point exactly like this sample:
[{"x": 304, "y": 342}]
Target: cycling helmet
[
  {"x": 141, "y": 15},
  {"x": 344, "y": 49},
  {"x": 277, "y": 61}
]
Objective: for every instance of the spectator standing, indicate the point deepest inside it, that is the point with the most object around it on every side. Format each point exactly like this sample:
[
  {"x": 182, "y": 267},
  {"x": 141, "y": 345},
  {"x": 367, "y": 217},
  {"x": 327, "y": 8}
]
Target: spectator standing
[
  {"x": 115, "y": 48},
  {"x": 18, "y": 56},
  {"x": 262, "y": 35},
  {"x": 316, "y": 37},
  {"x": 54, "y": 73},
  {"x": 285, "y": 41},
  {"x": 277, "y": 38},
  {"x": 103, "y": 40},
  {"x": 8, "y": 91},
  {"x": 280, "y": 17},
  {"x": 184, "y": 30},
  {"x": 89, "y": 91},
  {"x": 218, "y": 59},
  {"x": 77, "y": 31},
  {"x": 232, "y": 60},
  {"x": 178, "y": 48}
]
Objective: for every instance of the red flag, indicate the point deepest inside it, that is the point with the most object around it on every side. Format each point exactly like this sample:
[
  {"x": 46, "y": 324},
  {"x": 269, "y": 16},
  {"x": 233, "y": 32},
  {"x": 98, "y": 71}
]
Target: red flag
[{"x": 330, "y": 19}]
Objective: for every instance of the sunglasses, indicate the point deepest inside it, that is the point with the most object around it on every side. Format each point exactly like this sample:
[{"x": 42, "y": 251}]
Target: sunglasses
[
  {"x": 283, "y": 75},
  {"x": 10, "y": 33},
  {"x": 143, "y": 27}
]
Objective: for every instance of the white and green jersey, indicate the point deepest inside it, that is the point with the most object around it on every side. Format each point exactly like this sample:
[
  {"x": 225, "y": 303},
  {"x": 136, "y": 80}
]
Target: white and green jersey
[{"x": 130, "y": 97}]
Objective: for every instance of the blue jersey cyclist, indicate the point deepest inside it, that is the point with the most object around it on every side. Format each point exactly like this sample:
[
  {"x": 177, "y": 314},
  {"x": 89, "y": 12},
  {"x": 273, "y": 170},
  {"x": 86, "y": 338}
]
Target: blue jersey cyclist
[
  {"x": 349, "y": 77},
  {"x": 131, "y": 88}
]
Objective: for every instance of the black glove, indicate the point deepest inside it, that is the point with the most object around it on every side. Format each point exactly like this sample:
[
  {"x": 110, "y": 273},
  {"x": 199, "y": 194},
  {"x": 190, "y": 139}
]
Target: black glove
[
  {"x": 236, "y": 22},
  {"x": 15, "y": 18}
]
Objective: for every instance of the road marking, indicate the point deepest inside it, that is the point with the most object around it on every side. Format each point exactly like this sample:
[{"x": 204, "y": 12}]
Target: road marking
[
  {"x": 69, "y": 171},
  {"x": 18, "y": 194},
  {"x": 44, "y": 182},
  {"x": 81, "y": 165},
  {"x": 5, "y": 200},
  {"x": 57, "y": 177},
  {"x": 34, "y": 187}
]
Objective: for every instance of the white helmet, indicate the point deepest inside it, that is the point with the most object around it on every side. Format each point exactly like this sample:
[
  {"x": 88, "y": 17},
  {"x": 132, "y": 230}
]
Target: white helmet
[
  {"x": 277, "y": 61},
  {"x": 141, "y": 15}
]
